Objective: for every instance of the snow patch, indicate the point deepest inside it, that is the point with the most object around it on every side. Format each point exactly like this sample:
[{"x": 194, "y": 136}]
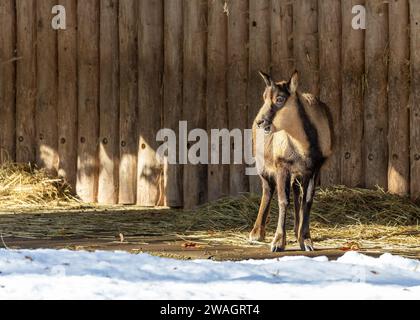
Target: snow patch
[{"x": 63, "y": 274}]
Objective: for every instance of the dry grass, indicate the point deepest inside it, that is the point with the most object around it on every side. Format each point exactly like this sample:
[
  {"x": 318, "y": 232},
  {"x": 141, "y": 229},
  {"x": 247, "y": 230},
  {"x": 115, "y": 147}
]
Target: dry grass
[
  {"x": 23, "y": 186},
  {"x": 340, "y": 216},
  {"x": 336, "y": 206}
]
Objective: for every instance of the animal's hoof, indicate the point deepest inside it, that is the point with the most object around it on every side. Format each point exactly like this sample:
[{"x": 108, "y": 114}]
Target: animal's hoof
[
  {"x": 309, "y": 249},
  {"x": 308, "y": 246},
  {"x": 279, "y": 243},
  {"x": 257, "y": 235},
  {"x": 277, "y": 248}
]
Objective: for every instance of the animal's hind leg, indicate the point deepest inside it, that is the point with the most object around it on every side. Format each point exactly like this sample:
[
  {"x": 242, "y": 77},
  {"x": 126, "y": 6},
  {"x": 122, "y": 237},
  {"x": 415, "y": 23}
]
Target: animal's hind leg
[
  {"x": 283, "y": 190},
  {"x": 258, "y": 233},
  {"x": 296, "y": 199},
  {"x": 304, "y": 234}
]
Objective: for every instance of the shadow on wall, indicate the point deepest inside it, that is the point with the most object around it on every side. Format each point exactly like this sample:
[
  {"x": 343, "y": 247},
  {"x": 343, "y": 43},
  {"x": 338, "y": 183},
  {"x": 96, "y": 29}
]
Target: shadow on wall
[{"x": 84, "y": 101}]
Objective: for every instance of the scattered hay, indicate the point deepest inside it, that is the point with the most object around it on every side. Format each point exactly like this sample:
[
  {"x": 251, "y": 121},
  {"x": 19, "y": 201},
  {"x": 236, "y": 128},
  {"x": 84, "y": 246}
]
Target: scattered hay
[
  {"x": 341, "y": 205},
  {"x": 23, "y": 186},
  {"x": 335, "y": 206},
  {"x": 340, "y": 215}
]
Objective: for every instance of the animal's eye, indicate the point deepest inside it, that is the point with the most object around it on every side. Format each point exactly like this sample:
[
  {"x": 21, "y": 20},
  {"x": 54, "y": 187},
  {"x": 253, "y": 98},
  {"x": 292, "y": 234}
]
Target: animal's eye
[{"x": 280, "y": 100}]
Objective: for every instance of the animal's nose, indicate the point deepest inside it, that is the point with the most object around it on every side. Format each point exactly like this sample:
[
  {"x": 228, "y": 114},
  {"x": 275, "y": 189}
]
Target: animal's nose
[{"x": 261, "y": 123}]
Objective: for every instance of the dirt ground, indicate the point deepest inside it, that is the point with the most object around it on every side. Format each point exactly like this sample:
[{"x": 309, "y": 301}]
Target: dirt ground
[{"x": 131, "y": 229}]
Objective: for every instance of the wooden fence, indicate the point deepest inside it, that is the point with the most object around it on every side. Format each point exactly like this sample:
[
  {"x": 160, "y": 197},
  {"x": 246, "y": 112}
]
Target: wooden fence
[{"x": 87, "y": 101}]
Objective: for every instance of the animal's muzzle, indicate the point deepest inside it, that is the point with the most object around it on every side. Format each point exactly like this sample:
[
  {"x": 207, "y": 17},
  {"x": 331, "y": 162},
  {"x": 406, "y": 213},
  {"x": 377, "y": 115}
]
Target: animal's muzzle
[{"x": 264, "y": 124}]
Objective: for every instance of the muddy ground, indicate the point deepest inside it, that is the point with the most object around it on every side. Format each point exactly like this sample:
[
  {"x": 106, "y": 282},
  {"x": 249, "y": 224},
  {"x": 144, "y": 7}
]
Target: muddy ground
[{"x": 137, "y": 230}]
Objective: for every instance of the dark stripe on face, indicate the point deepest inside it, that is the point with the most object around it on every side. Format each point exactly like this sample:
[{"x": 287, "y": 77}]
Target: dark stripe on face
[
  {"x": 312, "y": 134},
  {"x": 270, "y": 115}
]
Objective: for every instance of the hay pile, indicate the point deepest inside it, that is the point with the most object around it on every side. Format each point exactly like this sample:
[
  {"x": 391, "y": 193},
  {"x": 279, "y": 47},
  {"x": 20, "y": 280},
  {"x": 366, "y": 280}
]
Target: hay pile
[
  {"x": 340, "y": 215},
  {"x": 23, "y": 186},
  {"x": 335, "y": 206}
]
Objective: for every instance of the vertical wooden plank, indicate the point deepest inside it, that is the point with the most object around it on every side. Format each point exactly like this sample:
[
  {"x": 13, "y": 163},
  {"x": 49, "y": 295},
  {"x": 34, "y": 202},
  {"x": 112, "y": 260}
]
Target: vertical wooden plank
[
  {"x": 88, "y": 104},
  {"x": 259, "y": 59},
  {"x": 46, "y": 107},
  {"x": 149, "y": 178},
  {"x": 109, "y": 103},
  {"x": 217, "y": 117},
  {"x": 352, "y": 98},
  {"x": 128, "y": 101},
  {"x": 238, "y": 56},
  {"x": 415, "y": 99},
  {"x": 7, "y": 80},
  {"x": 67, "y": 95},
  {"x": 282, "y": 60},
  {"x": 305, "y": 32},
  {"x": 330, "y": 78},
  {"x": 26, "y": 81},
  {"x": 172, "y": 101},
  {"x": 376, "y": 102},
  {"x": 399, "y": 91},
  {"x": 194, "y": 93}
]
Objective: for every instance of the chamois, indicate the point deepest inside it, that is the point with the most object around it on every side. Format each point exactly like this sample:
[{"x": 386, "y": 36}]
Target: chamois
[{"x": 298, "y": 140}]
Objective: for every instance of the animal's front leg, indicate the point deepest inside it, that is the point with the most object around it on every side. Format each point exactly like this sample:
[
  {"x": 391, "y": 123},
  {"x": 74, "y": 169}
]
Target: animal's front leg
[
  {"x": 304, "y": 234},
  {"x": 297, "y": 203},
  {"x": 283, "y": 190},
  {"x": 258, "y": 233}
]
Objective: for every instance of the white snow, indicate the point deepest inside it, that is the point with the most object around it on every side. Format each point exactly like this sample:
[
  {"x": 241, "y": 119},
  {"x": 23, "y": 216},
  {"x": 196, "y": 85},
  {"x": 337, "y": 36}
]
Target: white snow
[{"x": 52, "y": 274}]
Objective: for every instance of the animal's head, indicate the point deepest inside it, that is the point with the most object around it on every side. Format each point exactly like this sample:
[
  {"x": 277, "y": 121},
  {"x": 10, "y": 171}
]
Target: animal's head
[{"x": 276, "y": 95}]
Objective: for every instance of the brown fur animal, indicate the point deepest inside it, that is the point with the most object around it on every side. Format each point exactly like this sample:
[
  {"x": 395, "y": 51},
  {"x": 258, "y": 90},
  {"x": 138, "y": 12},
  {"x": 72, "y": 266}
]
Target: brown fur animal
[{"x": 298, "y": 140}]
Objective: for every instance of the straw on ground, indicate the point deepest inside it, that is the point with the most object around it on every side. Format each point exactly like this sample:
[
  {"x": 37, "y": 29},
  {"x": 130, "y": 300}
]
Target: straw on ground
[{"x": 372, "y": 218}]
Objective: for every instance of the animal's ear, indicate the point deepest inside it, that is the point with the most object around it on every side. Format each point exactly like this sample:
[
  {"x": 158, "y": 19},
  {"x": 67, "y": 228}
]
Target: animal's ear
[
  {"x": 294, "y": 83},
  {"x": 267, "y": 79}
]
